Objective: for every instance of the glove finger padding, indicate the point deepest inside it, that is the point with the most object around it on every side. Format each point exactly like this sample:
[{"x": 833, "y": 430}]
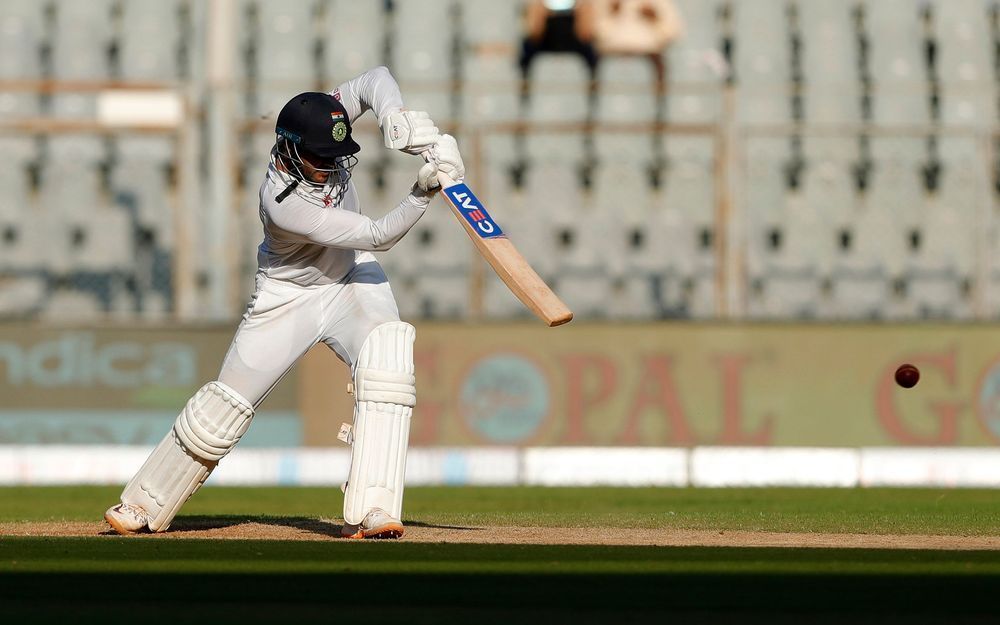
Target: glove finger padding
[
  {"x": 427, "y": 177},
  {"x": 449, "y": 160},
  {"x": 424, "y": 132},
  {"x": 409, "y": 131}
]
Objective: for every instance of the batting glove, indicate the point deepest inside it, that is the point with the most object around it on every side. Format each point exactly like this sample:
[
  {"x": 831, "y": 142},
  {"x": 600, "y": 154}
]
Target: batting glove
[
  {"x": 412, "y": 132},
  {"x": 449, "y": 160}
]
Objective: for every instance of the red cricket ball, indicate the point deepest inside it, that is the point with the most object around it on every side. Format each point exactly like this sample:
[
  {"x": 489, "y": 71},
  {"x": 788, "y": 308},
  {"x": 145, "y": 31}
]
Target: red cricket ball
[{"x": 907, "y": 376}]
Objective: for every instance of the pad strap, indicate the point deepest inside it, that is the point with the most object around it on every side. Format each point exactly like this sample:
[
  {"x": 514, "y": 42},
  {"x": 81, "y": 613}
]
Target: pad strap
[{"x": 387, "y": 387}]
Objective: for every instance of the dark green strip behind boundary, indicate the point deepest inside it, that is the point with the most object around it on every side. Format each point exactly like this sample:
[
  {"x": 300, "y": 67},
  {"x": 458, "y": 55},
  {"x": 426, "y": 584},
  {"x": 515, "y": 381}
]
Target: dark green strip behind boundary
[
  {"x": 179, "y": 581},
  {"x": 492, "y": 598}
]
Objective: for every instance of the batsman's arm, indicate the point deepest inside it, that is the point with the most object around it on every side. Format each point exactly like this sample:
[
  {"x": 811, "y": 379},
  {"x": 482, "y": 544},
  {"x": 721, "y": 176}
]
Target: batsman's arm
[
  {"x": 346, "y": 229},
  {"x": 377, "y": 90},
  {"x": 374, "y": 90}
]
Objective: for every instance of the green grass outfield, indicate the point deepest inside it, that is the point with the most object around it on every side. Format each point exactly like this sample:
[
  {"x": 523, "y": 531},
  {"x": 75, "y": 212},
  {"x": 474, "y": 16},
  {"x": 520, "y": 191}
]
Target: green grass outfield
[{"x": 148, "y": 580}]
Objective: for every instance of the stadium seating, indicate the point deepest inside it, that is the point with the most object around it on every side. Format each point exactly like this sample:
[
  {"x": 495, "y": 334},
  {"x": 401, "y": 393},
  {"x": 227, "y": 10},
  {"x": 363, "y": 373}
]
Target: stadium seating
[
  {"x": 23, "y": 239},
  {"x": 898, "y": 67},
  {"x": 141, "y": 181},
  {"x": 81, "y": 39},
  {"x": 696, "y": 65},
  {"x": 762, "y": 62},
  {"x": 354, "y": 40},
  {"x": 827, "y": 184},
  {"x": 73, "y": 106},
  {"x": 832, "y": 90},
  {"x": 71, "y": 174},
  {"x": 965, "y": 63},
  {"x": 286, "y": 38},
  {"x": 626, "y": 93},
  {"x": 151, "y": 42},
  {"x": 490, "y": 44},
  {"x": 23, "y": 25},
  {"x": 428, "y": 58},
  {"x": 99, "y": 242},
  {"x": 785, "y": 261},
  {"x": 20, "y": 153},
  {"x": 558, "y": 88}
]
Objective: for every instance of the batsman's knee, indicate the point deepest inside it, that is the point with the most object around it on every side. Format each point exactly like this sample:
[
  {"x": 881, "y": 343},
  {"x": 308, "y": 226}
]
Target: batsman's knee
[{"x": 207, "y": 429}]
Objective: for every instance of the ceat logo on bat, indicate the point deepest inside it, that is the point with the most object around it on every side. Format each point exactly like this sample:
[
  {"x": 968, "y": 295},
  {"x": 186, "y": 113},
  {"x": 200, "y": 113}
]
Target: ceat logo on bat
[{"x": 473, "y": 211}]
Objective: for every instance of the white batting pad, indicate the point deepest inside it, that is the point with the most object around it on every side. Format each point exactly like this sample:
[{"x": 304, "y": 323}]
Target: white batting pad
[
  {"x": 385, "y": 393},
  {"x": 207, "y": 429}
]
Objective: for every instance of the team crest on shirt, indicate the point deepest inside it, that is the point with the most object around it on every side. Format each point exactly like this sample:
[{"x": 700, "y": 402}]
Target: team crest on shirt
[{"x": 339, "y": 131}]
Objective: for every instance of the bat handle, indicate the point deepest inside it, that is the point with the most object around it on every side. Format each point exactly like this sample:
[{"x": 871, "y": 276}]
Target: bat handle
[{"x": 445, "y": 180}]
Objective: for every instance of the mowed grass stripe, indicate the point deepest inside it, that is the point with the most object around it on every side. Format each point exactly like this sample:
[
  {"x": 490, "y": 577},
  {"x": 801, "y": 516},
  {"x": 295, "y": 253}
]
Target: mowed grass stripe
[
  {"x": 122, "y": 555},
  {"x": 960, "y": 512}
]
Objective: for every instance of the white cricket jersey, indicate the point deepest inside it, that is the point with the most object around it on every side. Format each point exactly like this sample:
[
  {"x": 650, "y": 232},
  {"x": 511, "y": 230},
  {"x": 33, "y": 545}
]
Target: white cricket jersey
[{"x": 308, "y": 243}]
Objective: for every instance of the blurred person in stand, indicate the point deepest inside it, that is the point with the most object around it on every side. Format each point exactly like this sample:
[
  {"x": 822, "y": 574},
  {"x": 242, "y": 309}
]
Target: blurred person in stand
[
  {"x": 554, "y": 27},
  {"x": 637, "y": 28},
  {"x": 641, "y": 28}
]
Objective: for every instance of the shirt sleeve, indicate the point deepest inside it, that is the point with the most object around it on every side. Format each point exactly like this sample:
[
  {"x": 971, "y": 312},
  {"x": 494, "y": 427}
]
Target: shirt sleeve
[
  {"x": 334, "y": 227},
  {"x": 374, "y": 90}
]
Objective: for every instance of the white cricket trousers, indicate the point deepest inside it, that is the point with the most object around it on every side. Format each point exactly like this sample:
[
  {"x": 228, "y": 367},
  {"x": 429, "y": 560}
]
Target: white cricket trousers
[{"x": 284, "y": 320}]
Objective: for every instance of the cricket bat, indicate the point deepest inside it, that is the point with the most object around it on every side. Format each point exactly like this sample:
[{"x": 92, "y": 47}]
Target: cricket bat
[{"x": 501, "y": 254}]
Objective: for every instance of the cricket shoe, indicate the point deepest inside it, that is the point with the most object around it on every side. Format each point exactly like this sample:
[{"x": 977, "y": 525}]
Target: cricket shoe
[
  {"x": 126, "y": 518},
  {"x": 376, "y": 524}
]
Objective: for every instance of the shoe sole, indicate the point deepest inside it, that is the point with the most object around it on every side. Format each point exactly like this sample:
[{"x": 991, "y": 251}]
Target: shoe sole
[{"x": 388, "y": 531}]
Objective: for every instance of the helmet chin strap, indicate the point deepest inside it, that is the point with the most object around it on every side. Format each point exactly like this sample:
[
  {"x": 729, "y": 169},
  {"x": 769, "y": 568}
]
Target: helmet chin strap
[{"x": 328, "y": 193}]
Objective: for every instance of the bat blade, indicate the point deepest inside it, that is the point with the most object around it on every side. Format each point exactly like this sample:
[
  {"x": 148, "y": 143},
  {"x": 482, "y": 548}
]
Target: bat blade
[{"x": 502, "y": 256}]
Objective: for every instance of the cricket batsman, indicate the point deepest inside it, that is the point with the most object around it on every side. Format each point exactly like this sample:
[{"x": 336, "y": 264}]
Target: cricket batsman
[{"x": 317, "y": 281}]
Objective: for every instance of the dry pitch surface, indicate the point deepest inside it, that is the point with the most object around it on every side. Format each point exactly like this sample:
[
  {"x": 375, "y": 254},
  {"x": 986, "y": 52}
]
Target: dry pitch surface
[{"x": 320, "y": 530}]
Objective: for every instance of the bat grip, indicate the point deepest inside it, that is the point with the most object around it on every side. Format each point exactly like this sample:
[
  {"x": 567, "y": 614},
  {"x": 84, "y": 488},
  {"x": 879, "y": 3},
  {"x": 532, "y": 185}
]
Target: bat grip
[{"x": 445, "y": 180}]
